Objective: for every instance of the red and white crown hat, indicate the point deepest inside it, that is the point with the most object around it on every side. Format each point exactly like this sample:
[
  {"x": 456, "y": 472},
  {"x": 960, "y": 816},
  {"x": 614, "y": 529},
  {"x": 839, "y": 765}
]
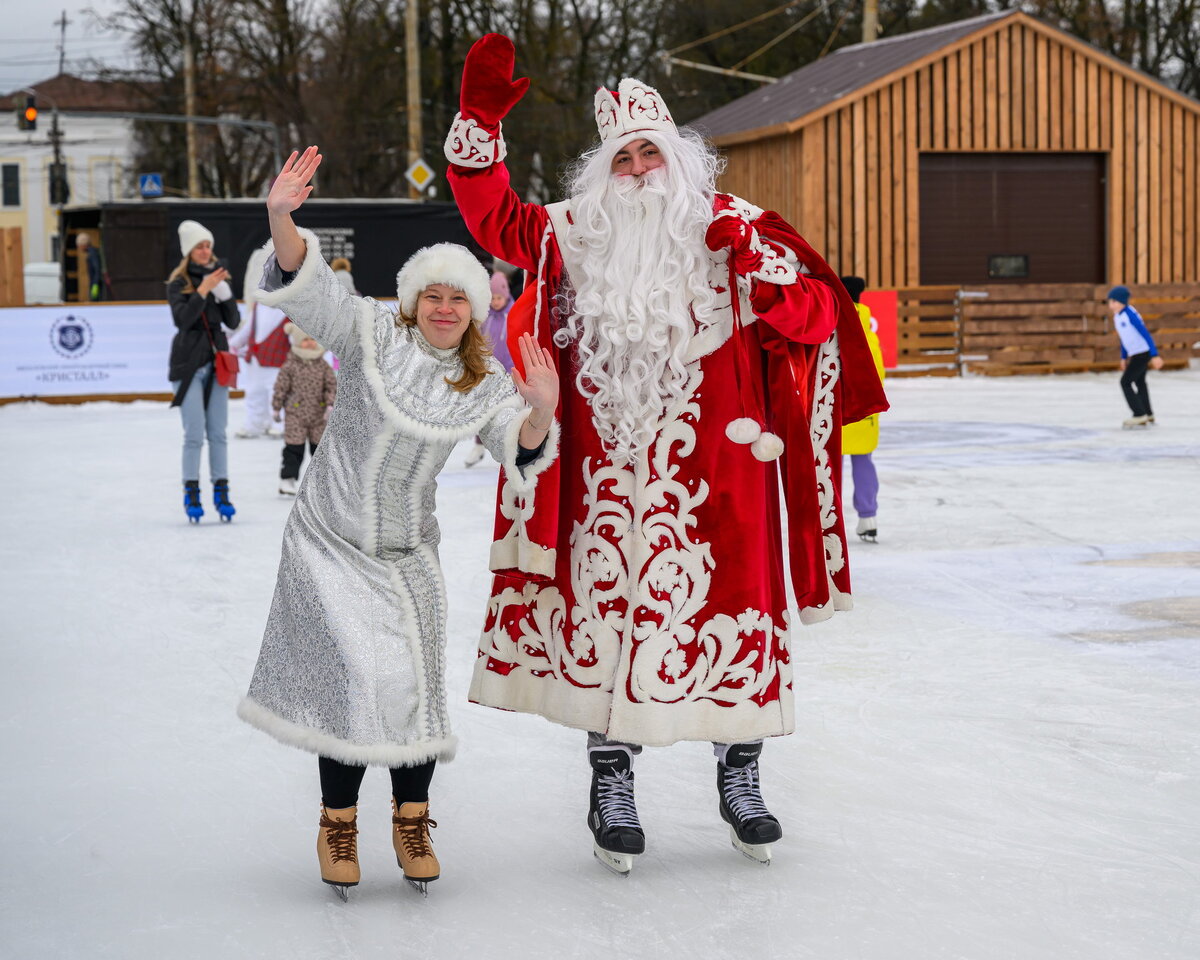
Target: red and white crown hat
[{"x": 634, "y": 109}]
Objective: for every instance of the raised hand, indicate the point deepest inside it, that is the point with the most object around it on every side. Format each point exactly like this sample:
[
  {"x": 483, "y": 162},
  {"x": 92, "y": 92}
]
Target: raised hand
[
  {"x": 211, "y": 280},
  {"x": 488, "y": 90},
  {"x": 291, "y": 187},
  {"x": 737, "y": 235},
  {"x": 539, "y": 386}
]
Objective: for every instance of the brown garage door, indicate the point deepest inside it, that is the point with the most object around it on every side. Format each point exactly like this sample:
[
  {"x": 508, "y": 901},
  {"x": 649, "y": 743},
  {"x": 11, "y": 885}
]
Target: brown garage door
[{"x": 1024, "y": 217}]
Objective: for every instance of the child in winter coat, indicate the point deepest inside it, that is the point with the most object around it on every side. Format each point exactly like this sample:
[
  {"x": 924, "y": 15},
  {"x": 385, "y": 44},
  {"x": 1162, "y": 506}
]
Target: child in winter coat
[
  {"x": 306, "y": 386},
  {"x": 1137, "y": 353},
  {"x": 860, "y": 439}
]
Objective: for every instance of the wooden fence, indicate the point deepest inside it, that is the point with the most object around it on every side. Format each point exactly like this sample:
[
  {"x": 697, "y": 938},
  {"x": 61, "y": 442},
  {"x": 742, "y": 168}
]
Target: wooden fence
[
  {"x": 927, "y": 334},
  {"x": 12, "y": 268},
  {"x": 1019, "y": 329}
]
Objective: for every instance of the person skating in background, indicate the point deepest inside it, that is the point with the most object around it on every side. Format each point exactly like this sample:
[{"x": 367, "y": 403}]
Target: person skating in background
[
  {"x": 860, "y": 439},
  {"x": 1138, "y": 353},
  {"x": 202, "y": 306},
  {"x": 341, "y": 269},
  {"x": 304, "y": 393},
  {"x": 263, "y": 347},
  {"x": 89, "y": 271},
  {"x": 352, "y": 665},
  {"x": 495, "y": 328}
]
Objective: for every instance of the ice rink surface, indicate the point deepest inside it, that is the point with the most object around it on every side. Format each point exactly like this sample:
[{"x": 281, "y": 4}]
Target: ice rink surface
[{"x": 997, "y": 752}]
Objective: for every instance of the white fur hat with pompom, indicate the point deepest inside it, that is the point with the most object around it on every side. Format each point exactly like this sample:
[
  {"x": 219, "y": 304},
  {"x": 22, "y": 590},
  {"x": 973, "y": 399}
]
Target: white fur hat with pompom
[{"x": 448, "y": 263}]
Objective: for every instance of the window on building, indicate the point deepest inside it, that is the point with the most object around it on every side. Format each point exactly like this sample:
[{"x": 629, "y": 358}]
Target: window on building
[
  {"x": 1008, "y": 267},
  {"x": 10, "y": 177}
]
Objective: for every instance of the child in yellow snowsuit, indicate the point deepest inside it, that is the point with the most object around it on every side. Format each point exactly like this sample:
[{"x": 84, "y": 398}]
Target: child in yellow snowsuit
[{"x": 860, "y": 439}]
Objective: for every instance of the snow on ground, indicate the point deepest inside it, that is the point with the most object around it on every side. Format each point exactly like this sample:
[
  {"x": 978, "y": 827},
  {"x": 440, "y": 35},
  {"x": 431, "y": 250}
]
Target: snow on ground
[{"x": 997, "y": 752}]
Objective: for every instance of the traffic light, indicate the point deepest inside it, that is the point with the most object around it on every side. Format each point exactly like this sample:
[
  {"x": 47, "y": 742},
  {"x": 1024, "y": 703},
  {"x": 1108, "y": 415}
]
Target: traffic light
[{"x": 27, "y": 113}]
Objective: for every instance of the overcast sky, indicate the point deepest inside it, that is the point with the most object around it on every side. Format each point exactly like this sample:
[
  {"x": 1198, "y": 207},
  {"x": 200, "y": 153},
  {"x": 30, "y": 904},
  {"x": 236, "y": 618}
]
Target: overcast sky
[{"x": 29, "y": 41}]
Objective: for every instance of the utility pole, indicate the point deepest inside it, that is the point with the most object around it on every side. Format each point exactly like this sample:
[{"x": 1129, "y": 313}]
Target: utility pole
[
  {"x": 62, "y": 22},
  {"x": 412, "y": 62},
  {"x": 870, "y": 21},
  {"x": 189, "y": 96}
]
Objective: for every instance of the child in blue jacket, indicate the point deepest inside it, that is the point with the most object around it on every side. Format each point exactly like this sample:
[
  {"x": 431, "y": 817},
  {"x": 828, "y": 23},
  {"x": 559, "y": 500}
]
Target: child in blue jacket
[{"x": 1137, "y": 353}]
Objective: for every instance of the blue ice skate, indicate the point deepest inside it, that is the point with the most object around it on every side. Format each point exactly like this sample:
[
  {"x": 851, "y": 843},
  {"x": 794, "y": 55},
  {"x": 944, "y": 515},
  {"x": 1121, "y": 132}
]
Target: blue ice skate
[
  {"x": 221, "y": 500},
  {"x": 191, "y": 500}
]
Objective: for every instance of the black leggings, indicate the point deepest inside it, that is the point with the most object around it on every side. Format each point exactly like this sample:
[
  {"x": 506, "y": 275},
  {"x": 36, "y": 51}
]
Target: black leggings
[
  {"x": 1133, "y": 382},
  {"x": 340, "y": 783}
]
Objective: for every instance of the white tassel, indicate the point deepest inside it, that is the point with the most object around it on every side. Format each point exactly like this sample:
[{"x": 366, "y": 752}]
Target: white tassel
[
  {"x": 743, "y": 430},
  {"x": 767, "y": 447}
]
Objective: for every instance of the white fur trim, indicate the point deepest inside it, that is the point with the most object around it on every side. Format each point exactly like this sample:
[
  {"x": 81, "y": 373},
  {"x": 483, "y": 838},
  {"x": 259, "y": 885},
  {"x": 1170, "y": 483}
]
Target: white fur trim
[
  {"x": 254, "y": 270},
  {"x": 541, "y": 280},
  {"x": 305, "y": 274},
  {"x": 767, "y": 447},
  {"x": 523, "y": 478},
  {"x": 314, "y": 741},
  {"x": 470, "y": 145},
  {"x": 448, "y": 263},
  {"x": 515, "y": 551},
  {"x": 838, "y": 603},
  {"x": 395, "y": 416},
  {"x": 743, "y": 430}
]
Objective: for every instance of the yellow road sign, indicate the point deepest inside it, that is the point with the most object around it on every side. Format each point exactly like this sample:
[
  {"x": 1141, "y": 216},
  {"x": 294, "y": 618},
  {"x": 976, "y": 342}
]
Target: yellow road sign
[{"x": 420, "y": 174}]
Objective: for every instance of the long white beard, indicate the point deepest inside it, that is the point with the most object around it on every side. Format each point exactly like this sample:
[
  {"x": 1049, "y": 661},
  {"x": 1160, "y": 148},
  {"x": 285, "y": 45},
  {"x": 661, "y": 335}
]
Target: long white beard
[{"x": 640, "y": 274}]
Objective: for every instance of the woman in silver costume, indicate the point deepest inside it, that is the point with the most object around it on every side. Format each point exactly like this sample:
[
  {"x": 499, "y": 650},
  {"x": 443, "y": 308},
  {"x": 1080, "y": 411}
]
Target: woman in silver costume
[{"x": 352, "y": 660}]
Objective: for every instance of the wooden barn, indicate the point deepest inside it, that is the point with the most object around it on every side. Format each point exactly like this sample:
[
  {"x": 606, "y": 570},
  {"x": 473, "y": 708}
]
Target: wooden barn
[{"x": 993, "y": 150}]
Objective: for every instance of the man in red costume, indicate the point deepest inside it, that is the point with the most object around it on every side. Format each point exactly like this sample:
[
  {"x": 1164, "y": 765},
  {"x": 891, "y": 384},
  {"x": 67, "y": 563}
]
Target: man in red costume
[{"x": 708, "y": 358}]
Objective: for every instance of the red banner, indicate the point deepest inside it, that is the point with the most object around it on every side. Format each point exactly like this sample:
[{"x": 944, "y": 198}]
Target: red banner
[{"x": 883, "y": 305}]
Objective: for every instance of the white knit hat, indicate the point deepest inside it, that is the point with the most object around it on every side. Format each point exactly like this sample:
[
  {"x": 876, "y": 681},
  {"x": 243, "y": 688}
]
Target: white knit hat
[
  {"x": 448, "y": 263},
  {"x": 192, "y": 233}
]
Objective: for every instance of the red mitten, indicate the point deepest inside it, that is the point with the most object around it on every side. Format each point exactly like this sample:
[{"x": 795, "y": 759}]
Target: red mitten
[
  {"x": 736, "y": 234},
  {"x": 488, "y": 91}
]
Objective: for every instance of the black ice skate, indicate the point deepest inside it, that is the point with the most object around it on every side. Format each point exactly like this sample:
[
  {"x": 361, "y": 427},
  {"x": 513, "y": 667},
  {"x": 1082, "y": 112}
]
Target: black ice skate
[
  {"x": 613, "y": 817},
  {"x": 751, "y": 826}
]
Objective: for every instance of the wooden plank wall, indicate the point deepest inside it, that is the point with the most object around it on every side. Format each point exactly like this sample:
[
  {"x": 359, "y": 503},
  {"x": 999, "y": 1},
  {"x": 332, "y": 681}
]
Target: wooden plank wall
[
  {"x": 12, "y": 268},
  {"x": 848, "y": 180}
]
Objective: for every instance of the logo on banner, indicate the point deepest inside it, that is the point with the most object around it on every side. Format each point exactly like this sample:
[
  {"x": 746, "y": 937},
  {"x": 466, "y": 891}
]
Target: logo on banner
[{"x": 71, "y": 336}]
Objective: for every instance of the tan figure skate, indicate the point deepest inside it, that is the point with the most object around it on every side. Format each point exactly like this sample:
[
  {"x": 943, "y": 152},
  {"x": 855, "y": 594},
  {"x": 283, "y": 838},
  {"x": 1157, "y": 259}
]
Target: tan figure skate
[
  {"x": 414, "y": 851},
  {"x": 337, "y": 849}
]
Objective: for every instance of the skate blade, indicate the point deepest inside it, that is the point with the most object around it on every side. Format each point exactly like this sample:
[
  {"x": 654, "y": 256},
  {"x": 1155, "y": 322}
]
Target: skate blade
[
  {"x": 421, "y": 886},
  {"x": 618, "y": 863},
  {"x": 341, "y": 889},
  {"x": 758, "y": 852}
]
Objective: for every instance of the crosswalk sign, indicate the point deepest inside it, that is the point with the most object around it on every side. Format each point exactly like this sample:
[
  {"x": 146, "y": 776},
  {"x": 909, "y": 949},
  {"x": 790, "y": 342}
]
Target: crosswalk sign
[{"x": 150, "y": 184}]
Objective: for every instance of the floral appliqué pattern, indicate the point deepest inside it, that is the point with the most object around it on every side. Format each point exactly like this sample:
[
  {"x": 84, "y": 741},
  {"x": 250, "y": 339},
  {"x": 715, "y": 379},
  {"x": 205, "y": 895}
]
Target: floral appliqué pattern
[{"x": 640, "y": 578}]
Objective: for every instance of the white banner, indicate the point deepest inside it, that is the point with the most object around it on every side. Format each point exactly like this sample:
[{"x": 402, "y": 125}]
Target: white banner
[{"x": 85, "y": 348}]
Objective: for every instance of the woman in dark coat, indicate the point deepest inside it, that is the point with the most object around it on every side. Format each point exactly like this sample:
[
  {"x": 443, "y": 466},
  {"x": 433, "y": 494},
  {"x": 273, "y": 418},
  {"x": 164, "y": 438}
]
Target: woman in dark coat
[{"x": 202, "y": 305}]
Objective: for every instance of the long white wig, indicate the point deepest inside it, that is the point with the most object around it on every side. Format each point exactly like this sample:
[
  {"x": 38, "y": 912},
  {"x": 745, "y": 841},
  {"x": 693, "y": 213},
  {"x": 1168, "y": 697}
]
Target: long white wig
[{"x": 639, "y": 281}]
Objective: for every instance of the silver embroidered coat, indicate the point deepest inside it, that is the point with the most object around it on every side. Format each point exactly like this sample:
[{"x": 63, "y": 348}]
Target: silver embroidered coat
[{"x": 352, "y": 660}]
